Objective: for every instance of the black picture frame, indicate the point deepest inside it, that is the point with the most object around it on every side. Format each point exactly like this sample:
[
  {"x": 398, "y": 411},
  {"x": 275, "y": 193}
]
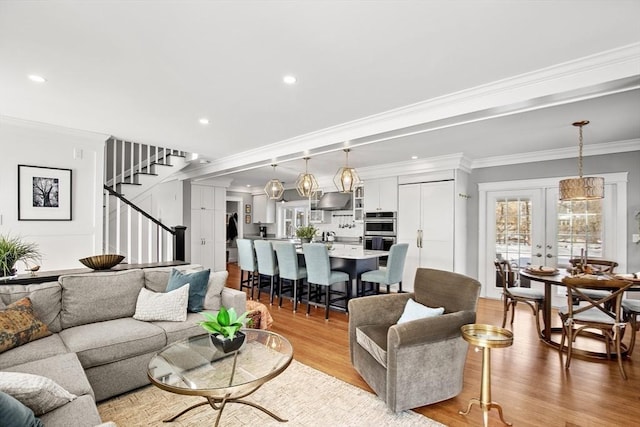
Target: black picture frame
[{"x": 44, "y": 193}]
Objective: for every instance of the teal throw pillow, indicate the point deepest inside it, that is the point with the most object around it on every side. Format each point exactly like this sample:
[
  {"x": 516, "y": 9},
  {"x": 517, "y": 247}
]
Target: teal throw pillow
[
  {"x": 14, "y": 413},
  {"x": 198, "y": 283}
]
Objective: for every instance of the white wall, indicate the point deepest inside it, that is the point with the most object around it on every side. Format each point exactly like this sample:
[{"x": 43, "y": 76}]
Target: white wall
[{"x": 62, "y": 243}]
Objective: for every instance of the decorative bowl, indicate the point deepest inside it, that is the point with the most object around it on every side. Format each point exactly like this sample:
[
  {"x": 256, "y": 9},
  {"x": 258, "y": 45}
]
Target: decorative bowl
[{"x": 102, "y": 262}]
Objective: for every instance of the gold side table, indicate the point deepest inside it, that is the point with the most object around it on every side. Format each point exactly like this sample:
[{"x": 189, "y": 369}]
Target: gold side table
[{"x": 486, "y": 337}]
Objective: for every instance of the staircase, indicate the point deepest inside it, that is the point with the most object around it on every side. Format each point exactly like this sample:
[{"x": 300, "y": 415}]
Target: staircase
[{"x": 132, "y": 170}]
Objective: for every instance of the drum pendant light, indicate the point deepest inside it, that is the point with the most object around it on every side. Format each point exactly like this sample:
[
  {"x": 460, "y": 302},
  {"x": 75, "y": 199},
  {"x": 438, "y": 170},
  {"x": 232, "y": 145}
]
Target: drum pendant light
[
  {"x": 306, "y": 184},
  {"x": 346, "y": 179},
  {"x": 581, "y": 188},
  {"x": 274, "y": 188}
]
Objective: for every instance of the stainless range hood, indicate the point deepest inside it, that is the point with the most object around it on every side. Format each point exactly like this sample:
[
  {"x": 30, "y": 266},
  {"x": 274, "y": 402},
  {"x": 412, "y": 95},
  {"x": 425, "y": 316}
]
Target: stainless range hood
[{"x": 334, "y": 201}]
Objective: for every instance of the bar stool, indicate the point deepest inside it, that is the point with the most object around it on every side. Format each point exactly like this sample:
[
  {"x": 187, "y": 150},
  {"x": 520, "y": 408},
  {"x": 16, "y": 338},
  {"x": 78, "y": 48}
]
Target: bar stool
[
  {"x": 319, "y": 273},
  {"x": 267, "y": 266},
  {"x": 388, "y": 276},
  {"x": 289, "y": 271},
  {"x": 247, "y": 264}
]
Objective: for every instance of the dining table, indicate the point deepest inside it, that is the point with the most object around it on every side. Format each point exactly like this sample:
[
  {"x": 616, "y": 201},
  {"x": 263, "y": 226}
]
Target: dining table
[{"x": 548, "y": 332}]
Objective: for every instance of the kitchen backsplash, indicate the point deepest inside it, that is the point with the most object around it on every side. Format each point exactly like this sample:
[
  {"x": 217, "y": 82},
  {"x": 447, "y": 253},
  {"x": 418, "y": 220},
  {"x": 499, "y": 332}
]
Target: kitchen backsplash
[{"x": 341, "y": 223}]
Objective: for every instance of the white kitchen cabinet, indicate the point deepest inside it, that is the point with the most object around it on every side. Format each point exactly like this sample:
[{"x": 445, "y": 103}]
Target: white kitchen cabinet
[
  {"x": 381, "y": 195},
  {"x": 202, "y": 197},
  {"x": 358, "y": 204},
  {"x": 426, "y": 223},
  {"x": 264, "y": 209},
  {"x": 208, "y": 226}
]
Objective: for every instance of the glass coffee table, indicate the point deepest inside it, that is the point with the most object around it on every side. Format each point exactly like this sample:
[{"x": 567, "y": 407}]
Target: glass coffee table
[{"x": 194, "y": 367}]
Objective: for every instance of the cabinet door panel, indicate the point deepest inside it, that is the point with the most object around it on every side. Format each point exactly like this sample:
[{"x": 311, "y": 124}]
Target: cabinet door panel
[{"x": 409, "y": 214}]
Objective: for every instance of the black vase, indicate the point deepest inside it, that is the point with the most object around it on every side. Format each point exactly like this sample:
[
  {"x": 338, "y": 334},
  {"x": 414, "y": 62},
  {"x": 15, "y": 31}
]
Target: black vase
[{"x": 227, "y": 345}]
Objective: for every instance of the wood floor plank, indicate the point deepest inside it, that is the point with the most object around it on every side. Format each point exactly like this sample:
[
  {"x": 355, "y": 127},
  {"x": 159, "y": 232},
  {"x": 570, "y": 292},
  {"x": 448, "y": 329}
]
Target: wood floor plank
[{"x": 528, "y": 379}]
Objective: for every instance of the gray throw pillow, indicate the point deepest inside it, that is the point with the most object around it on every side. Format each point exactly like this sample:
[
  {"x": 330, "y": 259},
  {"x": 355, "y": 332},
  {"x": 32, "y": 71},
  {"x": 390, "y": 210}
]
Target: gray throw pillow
[{"x": 39, "y": 393}]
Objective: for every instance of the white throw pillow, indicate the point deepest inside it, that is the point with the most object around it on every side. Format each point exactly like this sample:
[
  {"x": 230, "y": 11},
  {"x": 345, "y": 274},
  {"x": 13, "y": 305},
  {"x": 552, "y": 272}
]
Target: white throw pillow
[
  {"x": 170, "y": 306},
  {"x": 414, "y": 310},
  {"x": 39, "y": 393},
  {"x": 217, "y": 282}
]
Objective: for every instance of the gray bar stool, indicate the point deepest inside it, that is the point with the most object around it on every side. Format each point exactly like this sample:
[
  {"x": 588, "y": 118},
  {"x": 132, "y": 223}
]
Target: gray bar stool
[
  {"x": 289, "y": 271},
  {"x": 247, "y": 264},
  {"x": 386, "y": 276},
  {"x": 267, "y": 266},
  {"x": 316, "y": 258}
]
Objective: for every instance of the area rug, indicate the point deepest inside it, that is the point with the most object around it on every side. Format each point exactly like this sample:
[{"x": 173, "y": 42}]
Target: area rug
[{"x": 301, "y": 394}]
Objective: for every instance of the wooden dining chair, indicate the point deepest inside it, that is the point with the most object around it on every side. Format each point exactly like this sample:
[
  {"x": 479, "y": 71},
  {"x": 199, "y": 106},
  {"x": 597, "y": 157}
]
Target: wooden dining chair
[
  {"x": 631, "y": 311},
  {"x": 513, "y": 293},
  {"x": 599, "y": 265},
  {"x": 594, "y": 313}
]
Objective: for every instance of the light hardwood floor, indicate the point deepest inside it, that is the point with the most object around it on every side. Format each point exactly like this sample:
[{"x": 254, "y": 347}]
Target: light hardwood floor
[{"x": 528, "y": 379}]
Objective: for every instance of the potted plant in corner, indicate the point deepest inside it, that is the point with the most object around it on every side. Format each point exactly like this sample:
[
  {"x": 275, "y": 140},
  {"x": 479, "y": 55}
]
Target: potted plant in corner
[
  {"x": 224, "y": 329},
  {"x": 306, "y": 233},
  {"x": 12, "y": 250}
]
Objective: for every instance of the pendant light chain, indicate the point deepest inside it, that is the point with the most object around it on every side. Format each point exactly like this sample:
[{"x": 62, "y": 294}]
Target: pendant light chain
[{"x": 580, "y": 149}]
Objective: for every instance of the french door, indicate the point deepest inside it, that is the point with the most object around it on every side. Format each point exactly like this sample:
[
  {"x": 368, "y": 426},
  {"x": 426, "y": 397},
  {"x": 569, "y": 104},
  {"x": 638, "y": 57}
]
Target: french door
[{"x": 531, "y": 226}]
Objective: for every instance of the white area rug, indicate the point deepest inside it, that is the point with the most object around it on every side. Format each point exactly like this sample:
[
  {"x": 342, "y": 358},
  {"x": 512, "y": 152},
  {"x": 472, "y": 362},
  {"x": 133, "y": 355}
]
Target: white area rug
[{"x": 303, "y": 395}]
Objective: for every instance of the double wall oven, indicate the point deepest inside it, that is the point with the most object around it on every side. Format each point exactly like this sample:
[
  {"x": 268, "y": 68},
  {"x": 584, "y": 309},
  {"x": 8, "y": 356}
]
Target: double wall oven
[{"x": 380, "y": 230}]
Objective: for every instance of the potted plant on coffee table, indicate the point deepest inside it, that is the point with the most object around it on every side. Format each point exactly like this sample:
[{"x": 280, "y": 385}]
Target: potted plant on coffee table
[
  {"x": 224, "y": 329},
  {"x": 306, "y": 233},
  {"x": 14, "y": 249}
]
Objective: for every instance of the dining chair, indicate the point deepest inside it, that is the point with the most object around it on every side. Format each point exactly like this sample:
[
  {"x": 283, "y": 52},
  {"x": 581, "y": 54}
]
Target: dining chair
[
  {"x": 247, "y": 264},
  {"x": 600, "y": 265},
  {"x": 267, "y": 266},
  {"x": 319, "y": 273},
  {"x": 594, "y": 313},
  {"x": 388, "y": 276},
  {"x": 289, "y": 271},
  {"x": 631, "y": 311},
  {"x": 513, "y": 293},
  {"x": 597, "y": 265}
]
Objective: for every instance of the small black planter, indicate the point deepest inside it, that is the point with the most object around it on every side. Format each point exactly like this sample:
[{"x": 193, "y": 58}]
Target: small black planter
[{"x": 226, "y": 345}]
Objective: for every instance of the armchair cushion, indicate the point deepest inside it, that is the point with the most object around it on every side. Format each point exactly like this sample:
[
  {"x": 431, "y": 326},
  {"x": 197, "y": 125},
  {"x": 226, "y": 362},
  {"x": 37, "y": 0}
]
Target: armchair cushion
[
  {"x": 373, "y": 338},
  {"x": 414, "y": 311}
]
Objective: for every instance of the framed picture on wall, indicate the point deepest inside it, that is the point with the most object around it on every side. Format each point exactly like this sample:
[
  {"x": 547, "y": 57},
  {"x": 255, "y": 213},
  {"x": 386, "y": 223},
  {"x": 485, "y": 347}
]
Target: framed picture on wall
[
  {"x": 247, "y": 209},
  {"x": 247, "y": 219},
  {"x": 44, "y": 193}
]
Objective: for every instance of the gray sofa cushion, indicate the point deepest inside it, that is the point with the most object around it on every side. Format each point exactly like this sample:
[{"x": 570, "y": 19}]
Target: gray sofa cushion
[
  {"x": 99, "y": 296},
  {"x": 64, "y": 369},
  {"x": 45, "y": 298},
  {"x": 179, "y": 330},
  {"x": 35, "y": 350},
  {"x": 81, "y": 412},
  {"x": 106, "y": 342}
]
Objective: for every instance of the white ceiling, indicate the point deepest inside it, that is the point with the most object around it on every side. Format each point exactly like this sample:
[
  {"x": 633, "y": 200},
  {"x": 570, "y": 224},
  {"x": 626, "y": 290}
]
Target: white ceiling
[{"x": 146, "y": 71}]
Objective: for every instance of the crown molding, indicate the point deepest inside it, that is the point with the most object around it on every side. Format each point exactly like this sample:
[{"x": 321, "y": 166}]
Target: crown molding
[
  {"x": 46, "y": 127},
  {"x": 557, "y": 154}
]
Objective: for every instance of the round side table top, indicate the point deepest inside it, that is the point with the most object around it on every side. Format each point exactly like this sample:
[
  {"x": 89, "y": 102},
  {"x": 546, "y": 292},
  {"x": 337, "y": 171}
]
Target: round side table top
[{"x": 486, "y": 335}]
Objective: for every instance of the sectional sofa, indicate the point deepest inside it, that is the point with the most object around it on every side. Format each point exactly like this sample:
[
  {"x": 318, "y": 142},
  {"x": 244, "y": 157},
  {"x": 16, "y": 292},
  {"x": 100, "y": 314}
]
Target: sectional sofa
[{"x": 97, "y": 350}]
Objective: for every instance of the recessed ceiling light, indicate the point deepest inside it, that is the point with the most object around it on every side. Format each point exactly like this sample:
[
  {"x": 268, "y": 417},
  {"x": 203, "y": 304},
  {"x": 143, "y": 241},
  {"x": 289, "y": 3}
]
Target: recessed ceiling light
[
  {"x": 37, "y": 79},
  {"x": 204, "y": 121},
  {"x": 248, "y": 185},
  {"x": 290, "y": 80},
  {"x": 414, "y": 157}
]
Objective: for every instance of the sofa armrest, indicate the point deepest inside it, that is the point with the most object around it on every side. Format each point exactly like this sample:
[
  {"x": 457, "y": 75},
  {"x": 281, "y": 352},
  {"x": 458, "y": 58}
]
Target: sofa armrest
[
  {"x": 428, "y": 330},
  {"x": 234, "y": 298}
]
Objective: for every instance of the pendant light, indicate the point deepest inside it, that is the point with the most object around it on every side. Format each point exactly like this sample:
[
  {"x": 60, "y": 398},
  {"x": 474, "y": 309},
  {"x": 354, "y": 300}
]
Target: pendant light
[
  {"x": 346, "y": 179},
  {"x": 306, "y": 184},
  {"x": 582, "y": 188},
  {"x": 274, "y": 187}
]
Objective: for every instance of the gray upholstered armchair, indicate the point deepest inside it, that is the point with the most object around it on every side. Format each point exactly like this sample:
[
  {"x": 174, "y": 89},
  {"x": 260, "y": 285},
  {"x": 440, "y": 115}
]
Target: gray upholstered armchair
[{"x": 421, "y": 361}]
